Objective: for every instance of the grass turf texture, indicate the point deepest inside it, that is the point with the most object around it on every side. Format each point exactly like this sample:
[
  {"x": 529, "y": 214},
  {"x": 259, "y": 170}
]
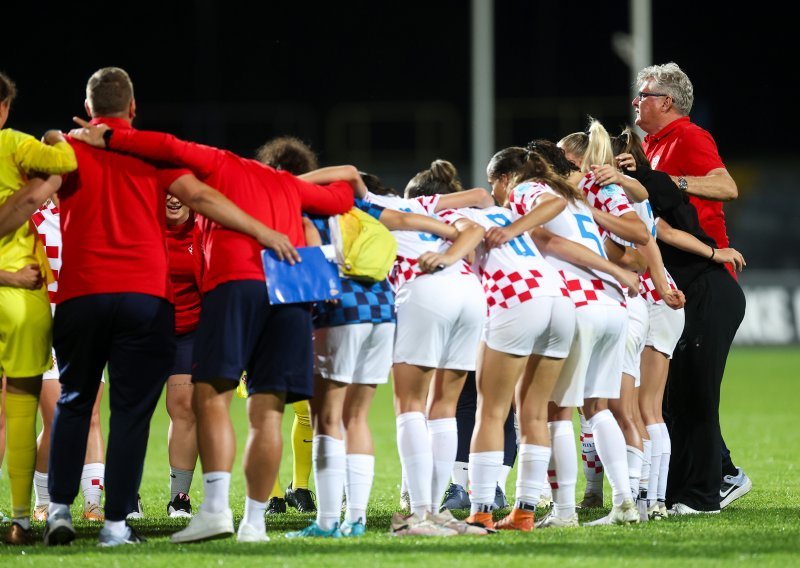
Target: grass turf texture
[{"x": 759, "y": 411}]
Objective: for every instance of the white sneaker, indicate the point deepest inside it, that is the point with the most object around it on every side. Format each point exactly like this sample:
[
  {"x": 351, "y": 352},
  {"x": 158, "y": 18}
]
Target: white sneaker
[
  {"x": 654, "y": 512},
  {"x": 623, "y": 514},
  {"x": 206, "y": 526},
  {"x": 552, "y": 521},
  {"x": 249, "y": 533},
  {"x": 733, "y": 487},
  {"x": 679, "y": 509},
  {"x": 446, "y": 520}
]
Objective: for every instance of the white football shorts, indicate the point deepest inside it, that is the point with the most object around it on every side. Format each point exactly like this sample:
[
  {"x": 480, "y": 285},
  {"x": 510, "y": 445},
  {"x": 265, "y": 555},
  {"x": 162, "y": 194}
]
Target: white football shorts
[
  {"x": 543, "y": 325},
  {"x": 439, "y": 321},
  {"x": 593, "y": 368},
  {"x": 359, "y": 353}
]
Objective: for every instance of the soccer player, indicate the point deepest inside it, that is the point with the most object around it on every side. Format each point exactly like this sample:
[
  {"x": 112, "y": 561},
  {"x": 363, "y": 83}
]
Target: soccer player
[
  {"x": 239, "y": 330},
  {"x": 26, "y": 328},
  {"x": 592, "y": 370},
  {"x": 592, "y": 153},
  {"x": 48, "y": 226},
  {"x": 440, "y": 304},
  {"x": 185, "y": 274},
  {"x": 526, "y": 338},
  {"x": 294, "y": 156},
  {"x": 113, "y": 305}
]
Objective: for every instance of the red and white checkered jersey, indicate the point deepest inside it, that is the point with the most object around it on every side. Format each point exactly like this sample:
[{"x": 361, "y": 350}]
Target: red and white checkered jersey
[
  {"x": 611, "y": 198},
  {"x": 48, "y": 224},
  {"x": 647, "y": 288},
  {"x": 585, "y": 286},
  {"x": 412, "y": 244},
  {"x": 515, "y": 272}
]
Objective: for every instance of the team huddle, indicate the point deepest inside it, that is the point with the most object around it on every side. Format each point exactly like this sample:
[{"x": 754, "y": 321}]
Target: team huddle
[{"x": 550, "y": 295}]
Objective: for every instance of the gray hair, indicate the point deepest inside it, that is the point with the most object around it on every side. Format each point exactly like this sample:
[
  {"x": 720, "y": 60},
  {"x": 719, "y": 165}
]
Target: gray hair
[{"x": 671, "y": 80}]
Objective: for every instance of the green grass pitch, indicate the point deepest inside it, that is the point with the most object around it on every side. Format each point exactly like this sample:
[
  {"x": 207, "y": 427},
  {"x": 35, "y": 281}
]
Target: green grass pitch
[{"x": 760, "y": 410}]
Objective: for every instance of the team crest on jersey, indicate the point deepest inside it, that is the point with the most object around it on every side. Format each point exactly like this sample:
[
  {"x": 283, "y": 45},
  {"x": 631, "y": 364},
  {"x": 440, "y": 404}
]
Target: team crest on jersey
[{"x": 191, "y": 249}]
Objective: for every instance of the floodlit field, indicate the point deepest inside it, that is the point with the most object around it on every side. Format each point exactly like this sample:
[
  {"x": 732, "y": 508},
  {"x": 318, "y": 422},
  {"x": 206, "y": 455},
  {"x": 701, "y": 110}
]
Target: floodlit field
[{"x": 760, "y": 409}]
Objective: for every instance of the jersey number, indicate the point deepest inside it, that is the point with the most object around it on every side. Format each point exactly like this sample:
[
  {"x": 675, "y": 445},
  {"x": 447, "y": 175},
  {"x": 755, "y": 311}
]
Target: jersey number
[
  {"x": 583, "y": 221},
  {"x": 518, "y": 244}
]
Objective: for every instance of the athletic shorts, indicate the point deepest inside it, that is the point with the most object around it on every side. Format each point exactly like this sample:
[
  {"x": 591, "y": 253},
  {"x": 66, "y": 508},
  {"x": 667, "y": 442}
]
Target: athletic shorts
[
  {"x": 26, "y": 332},
  {"x": 240, "y": 331},
  {"x": 638, "y": 323},
  {"x": 357, "y": 353},
  {"x": 439, "y": 321},
  {"x": 666, "y": 328},
  {"x": 543, "y": 325},
  {"x": 594, "y": 366},
  {"x": 183, "y": 354}
]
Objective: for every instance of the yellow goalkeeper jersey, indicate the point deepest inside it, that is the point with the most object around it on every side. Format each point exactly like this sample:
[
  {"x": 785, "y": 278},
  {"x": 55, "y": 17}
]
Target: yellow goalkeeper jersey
[{"x": 20, "y": 154}]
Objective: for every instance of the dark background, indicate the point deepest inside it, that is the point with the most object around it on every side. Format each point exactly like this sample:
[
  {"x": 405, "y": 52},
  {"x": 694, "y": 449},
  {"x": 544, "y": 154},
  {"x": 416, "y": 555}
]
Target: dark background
[{"x": 385, "y": 85}]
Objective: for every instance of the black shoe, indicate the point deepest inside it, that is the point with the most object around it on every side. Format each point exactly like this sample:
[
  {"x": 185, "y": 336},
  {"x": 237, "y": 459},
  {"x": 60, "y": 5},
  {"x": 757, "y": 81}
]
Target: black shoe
[
  {"x": 180, "y": 507},
  {"x": 276, "y": 506},
  {"x": 301, "y": 499},
  {"x": 500, "y": 500}
]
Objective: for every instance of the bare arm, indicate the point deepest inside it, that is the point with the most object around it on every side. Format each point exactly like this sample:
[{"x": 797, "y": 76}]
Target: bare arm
[
  {"x": 628, "y": 226},
  {"x": 28, "y": 277},
  {"x": 673, "y": 298},
  {"x": 313, "y": 238},
  {"x": 606, "y": 175},
  {"x": 575, "y": 253},
  {"x": 477, "y": 197},
  {"x": 22, "y": 204},
  {"x": 212, "y": 204},
  {"x": 470, "y": 235},
  {"x": 338, "y": 173},
  {"x": 547, "y": 207},
  {"x": 716, "y": 185},
  {"x": 626, "y": 257},
  {"x": 402, "y": 221},
  {"x": 691, "y": 244}
]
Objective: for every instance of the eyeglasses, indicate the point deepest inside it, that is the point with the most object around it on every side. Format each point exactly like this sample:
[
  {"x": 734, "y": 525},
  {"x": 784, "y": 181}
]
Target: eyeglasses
[{"x": 642, "y": 95}]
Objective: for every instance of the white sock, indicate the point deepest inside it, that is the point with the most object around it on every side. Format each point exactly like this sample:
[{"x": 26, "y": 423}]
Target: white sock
[
  {"x": 655, "y": 462},
  {"x": 414, "y": 447},
  {"x": 216, "y": 485},
  {"x": 358, "y": 484},
  {"x": 547, "y": 492},
  {"x": 666, "y": 452},
  {"x": 461, "y": 474},
  {"x": 610, "y": 445},
  {"x": 118, "y": 528},
  {"x": 254, "y": 513},
  {"x": 592, "y": 466},
  {"x": 330, "y": 469},
  {"x": 563, "y": 470},
  {"x": 502, "y": 478},
  {"x": 92, "y": 481},
  {"x": 635, "y": 460},
  {"x": 40, "y": 488},
  {"x": 180, "y": 480},
  {"x": 533, "y": 461},
  {"x": 483, "y": 468},
  {"x": 444, "y": 447},
  {"x": 646, "y": 460}
]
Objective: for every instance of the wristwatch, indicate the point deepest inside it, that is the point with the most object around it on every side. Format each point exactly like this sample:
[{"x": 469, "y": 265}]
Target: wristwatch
[{"x": 683, "y": 185}]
